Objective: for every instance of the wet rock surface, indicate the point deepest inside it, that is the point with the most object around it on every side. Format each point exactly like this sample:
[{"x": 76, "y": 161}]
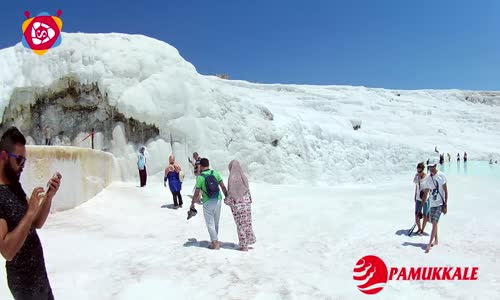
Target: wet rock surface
[{"x": 70, "y": 108}]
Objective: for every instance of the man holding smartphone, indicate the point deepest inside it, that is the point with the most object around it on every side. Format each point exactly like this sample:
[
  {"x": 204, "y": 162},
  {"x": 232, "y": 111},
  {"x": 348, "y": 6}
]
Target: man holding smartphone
[{"x": 19, "y": 218}]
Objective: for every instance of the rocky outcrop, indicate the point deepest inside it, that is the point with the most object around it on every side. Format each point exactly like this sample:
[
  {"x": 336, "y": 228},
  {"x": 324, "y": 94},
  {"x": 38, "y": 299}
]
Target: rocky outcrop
[
  {"x": 483, "y": 97},
  {"x": 71, "y": 109}
]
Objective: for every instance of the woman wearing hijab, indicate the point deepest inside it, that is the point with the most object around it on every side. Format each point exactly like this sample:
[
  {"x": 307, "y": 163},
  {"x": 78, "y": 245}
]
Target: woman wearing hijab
[
  {"x": 174, "y": 176},
  {"x": 239, "y": 199}
]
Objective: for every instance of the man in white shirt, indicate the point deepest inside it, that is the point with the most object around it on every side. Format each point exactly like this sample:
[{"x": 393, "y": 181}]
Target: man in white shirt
[{"x": 436, "y": 187}]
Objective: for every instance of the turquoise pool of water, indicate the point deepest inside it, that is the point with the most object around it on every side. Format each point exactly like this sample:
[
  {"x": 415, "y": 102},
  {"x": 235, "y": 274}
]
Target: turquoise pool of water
[{"x": 471, "y": 168}]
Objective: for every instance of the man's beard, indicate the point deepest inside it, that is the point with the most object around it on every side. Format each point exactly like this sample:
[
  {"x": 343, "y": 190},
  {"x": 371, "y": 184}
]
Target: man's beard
[{"x": 11, "y": 174}]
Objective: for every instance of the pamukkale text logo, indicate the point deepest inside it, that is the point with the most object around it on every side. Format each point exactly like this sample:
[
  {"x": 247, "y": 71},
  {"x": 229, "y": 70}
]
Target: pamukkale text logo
[
  {"x": 42, "y": 32},
  {"x": 371, "y": 274}
]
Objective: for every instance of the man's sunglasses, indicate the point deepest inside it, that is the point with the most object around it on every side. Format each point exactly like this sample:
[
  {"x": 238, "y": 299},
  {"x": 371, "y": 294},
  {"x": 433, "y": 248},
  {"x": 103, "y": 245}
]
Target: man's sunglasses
[{"x": 19, "y": 159}]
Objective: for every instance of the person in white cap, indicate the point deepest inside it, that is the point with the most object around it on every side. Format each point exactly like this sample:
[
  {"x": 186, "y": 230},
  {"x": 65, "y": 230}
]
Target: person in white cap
[{"x": 435, "y": 184}]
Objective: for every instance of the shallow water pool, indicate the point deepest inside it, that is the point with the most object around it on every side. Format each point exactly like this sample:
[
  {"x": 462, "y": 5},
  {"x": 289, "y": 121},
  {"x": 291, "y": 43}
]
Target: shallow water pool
[{"x": 471, "y": 168}]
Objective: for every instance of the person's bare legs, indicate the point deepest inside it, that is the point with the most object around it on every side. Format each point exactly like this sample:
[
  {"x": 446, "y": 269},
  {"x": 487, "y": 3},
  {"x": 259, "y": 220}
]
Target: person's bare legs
[
  {"x": 433, "y": 236},
  {"x": 418, "y": 217},
  {"x": 424, "y": 222},
  {"x": 425, "y": 217},
  {"x": 215, "y": 245},
  {"x": 417, "y": 221}
]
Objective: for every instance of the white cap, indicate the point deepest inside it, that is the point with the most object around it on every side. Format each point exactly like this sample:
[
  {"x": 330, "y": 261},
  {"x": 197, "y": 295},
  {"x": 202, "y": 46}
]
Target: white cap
[{"x": 432, "y": 163}]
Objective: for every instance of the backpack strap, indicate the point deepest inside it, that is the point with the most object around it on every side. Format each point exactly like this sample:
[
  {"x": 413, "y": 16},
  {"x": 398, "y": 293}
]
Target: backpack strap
[
  {"x": 205, "y": 176},
  {"x": 437, "y": 188}
]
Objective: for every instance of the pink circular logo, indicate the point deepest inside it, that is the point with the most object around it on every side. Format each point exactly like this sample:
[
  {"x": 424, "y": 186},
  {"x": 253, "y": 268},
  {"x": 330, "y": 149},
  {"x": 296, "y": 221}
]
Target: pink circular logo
[
  {"x": 42, "y": 32},
  {"x": 371, "y": 274}
]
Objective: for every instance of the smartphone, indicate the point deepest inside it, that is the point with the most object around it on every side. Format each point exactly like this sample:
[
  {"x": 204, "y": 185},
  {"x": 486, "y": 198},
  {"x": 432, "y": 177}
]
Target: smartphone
[{"x": 56, "y": 174}]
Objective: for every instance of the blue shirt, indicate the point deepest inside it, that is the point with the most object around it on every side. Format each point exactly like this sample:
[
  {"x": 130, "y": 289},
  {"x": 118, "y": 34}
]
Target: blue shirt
[{"x": 141, "y": 161}]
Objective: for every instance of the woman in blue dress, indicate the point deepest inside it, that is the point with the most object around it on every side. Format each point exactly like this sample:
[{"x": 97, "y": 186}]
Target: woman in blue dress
[{"x": 174, "y": 176}]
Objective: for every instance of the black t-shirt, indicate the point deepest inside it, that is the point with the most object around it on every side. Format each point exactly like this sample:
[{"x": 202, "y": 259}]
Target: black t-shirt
[
  {"x": 196, "y": 164},
  {"x": 26, "y": 272}
]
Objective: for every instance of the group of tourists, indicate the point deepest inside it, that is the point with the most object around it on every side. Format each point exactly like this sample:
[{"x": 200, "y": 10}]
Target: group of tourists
[
  {"x": 431, "y": 199},
  {"x": 209, "y": 191}
]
